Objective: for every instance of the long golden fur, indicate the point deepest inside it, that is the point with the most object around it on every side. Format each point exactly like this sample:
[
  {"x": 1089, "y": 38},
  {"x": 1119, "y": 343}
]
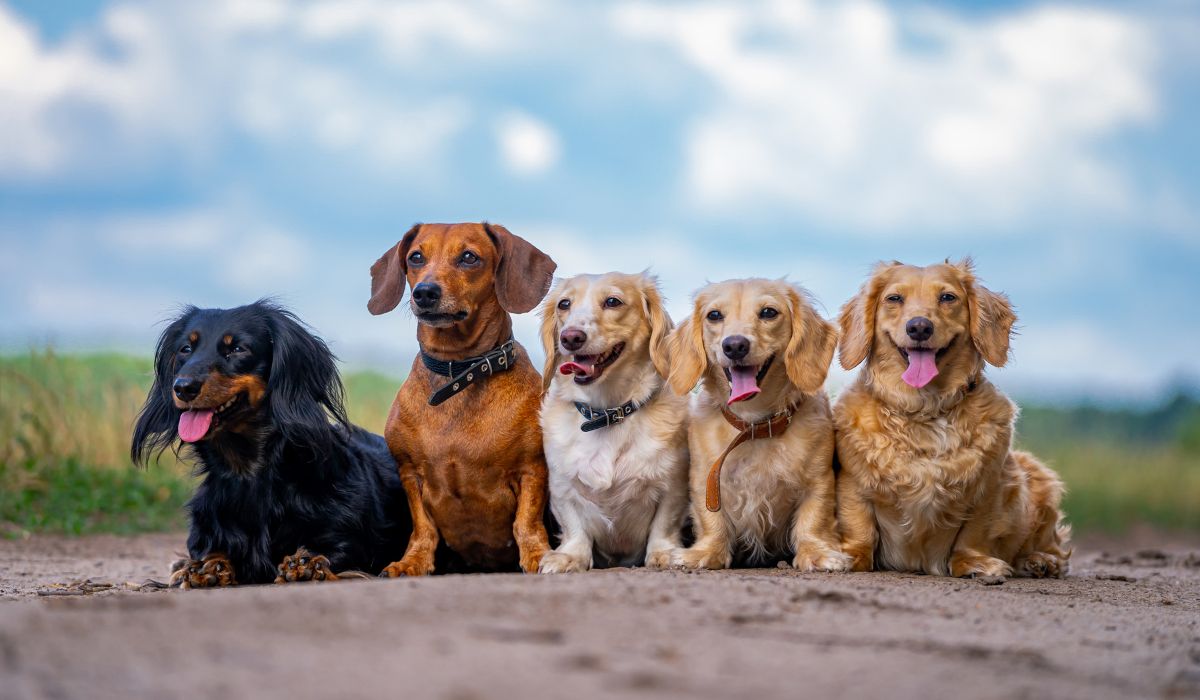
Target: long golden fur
[
  {"x": 619, "y": 492},
  {"x": 929, "y": 481},
  {"x": 778, "y": 493}
]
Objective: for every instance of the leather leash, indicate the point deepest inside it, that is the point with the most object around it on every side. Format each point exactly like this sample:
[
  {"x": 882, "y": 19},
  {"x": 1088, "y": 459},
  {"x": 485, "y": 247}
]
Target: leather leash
[
  {"x": 597, "y": 418},
  {"x": 473, "y": 369},
  {"x": 774, "y": 426}
]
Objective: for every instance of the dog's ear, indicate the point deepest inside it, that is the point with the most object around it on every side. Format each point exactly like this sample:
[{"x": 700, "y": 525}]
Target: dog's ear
[
  {"x": 992, "y": 317},
  {"x": 549, "y": 333},
  {"x": 158, "y": 421},
  {"x": 810, "y": 350},
  {"x": 523, "y": 273},
  {"x": 660, "y": 324},
  {"x": 303, "y": 386},
  {"x": 685, "y": 347},
  {"x": 388, "y": 275},
  {"x": 857, "y": 318}
]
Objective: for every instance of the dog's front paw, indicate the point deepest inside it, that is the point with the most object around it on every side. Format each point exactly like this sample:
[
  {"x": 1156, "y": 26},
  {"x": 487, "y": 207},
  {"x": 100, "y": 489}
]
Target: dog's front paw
[
  {"x": 659, "y": 558},
  {"x": 973, "y": 565},
  {"x": 214, "y": 571},
  {"x": 1042, "y": 565},
  {"x": 531, "y": 559},
  {"x": 817, "y": 558},
  {"x": 700, "y": 558},
  {"x": 408, "y": 566},
  {"x": 561, "y": 563},
  {"x": 305, "y": 566}
]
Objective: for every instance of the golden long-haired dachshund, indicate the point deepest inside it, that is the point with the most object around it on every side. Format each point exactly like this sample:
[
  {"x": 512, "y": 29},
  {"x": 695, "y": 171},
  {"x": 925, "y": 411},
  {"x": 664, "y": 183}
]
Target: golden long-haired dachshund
[{"x": 929, "y": 481}]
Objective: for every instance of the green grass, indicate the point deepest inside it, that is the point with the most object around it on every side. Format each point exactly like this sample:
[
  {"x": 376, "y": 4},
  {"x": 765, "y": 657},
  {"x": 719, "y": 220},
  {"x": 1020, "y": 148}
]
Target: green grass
[{"x": 65, "y": 422}]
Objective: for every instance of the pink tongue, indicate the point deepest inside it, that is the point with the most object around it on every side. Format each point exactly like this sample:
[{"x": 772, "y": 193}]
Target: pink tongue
[
  {"x": 921, "y": 368},
  {"x": 743, "y": 383},
  {"x": 194, "y": 424},
  {"x": 576, "y": 368}
]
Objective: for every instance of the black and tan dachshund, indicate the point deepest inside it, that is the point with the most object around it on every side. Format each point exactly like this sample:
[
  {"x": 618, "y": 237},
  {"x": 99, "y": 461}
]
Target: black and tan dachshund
[{"x": 290, "y": 490}]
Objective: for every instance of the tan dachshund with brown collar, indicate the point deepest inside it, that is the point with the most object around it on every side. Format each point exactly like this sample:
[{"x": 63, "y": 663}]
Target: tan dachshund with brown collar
[{"x": 464, "y": 427}]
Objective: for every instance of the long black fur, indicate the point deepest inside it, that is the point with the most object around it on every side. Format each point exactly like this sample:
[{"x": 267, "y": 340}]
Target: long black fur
[{"x": 295, "y": 472}]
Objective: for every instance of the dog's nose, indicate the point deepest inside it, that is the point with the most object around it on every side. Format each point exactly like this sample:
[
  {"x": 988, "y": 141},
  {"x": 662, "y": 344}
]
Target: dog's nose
[
  {"x": 187, "y": 388},
  {"x": 573, "y": 339},
  {"x": 736, "y": 347},
  {"x": 919, "y": 328},
  {"x": 427, "y": 295}
]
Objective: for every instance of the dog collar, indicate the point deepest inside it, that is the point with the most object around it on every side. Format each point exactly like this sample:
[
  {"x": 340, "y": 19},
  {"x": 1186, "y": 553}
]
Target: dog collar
[
  {"x": 464, "y": 373},
  {"x": 597, "y": 418},
  {"x": 772, "y": 426}
]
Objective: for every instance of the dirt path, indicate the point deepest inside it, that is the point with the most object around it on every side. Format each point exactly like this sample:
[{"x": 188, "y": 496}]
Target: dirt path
[{"x": 1123, "y": 626}]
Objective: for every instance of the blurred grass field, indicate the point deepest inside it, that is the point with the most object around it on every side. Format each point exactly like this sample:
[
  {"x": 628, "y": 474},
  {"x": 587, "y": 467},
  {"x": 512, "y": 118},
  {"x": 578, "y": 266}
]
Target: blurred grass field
[{"x": 65, "y": 422}]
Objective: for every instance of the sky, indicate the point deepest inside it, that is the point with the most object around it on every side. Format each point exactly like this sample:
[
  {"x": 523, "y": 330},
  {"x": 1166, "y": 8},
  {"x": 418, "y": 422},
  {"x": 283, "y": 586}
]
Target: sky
[{"x": 156, "y": 153}]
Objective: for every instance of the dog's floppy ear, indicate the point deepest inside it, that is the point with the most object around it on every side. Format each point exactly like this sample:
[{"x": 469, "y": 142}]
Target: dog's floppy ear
[
  {"x": 523, "y": 274},
  {"x": 158, "y": 422},
  {"x": 810, "y": 350},
  {"x": 857, "y": 319},
  {"x": 685, "y": 347},
  {"x": 992, "y": 317},
  {"x": 549, "y": 333},
  {"x": 388, "y": 275},
  {"x": 303, "y": 386},
  {"x": 660, "y": 324}
]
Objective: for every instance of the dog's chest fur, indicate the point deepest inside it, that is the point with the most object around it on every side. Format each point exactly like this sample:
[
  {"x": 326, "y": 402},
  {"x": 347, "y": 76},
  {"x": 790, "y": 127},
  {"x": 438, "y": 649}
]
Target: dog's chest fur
[{"x": 613, "y": 478}]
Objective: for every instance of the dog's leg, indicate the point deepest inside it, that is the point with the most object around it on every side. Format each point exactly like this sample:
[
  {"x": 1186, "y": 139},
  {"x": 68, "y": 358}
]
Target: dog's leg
[
  {"x": 575, "y": 551},
  {"x": 814, "y": 530},
  {"x": 305, "y": 566},
  {"x": 856, "y": 524},
  {"x": 214, "y": 571},
  {"x": 529, "y": 528},
  {"x": 667, "y": 523},
  {"x": 418, "y": 556},
  {"x": 711, "y": 549},
  {"x": 971, "y": 555}
]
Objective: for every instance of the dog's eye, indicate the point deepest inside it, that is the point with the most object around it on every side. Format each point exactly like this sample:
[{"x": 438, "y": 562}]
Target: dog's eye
[
  {"x": 468, "y": 258},
  {"x": 237, "y": 348},
  {"x": 612, "y": 303},
  {"x": 715, "y": 316},
  {"x": 768, "y": 312},
  {"x": 564, "y": 304},
  {"x": 416, "y": 258},
  {"x": 894, "y": 298},
  {"x": 185, "y": 350},
  {"x": 947, "y": 298}
]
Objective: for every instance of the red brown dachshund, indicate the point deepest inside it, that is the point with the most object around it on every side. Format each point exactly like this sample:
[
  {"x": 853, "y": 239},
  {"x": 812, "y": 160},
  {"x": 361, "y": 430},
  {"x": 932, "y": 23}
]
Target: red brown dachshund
[{"x": 464, "y": 427}]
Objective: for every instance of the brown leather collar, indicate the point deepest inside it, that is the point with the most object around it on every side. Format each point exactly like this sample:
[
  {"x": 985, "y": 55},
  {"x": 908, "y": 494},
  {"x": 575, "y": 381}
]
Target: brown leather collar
[{"x": 773, "y": 426}]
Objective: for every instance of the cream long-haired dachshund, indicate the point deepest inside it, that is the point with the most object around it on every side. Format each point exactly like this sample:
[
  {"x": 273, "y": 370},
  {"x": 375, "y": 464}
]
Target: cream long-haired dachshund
[
  {"x": 760, "y": 431},
  {"x": 613, "y": 433},
  {"x": 929, "y": 481}
]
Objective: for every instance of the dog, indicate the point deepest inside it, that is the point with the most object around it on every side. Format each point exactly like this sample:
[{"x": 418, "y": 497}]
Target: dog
[
  {"x": 760, "y": 432},
  {"x": 291, "y": 491},
  {"x": 464, "y": 426},
  {"x": 929, "y": 481},
  {"x": 614, "y": 434}
]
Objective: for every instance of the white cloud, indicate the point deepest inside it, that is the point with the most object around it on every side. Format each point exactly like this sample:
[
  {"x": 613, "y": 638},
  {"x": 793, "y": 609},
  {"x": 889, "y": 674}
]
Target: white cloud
[
  {"x": 860, "y": 114},
  {"x": 528, "y": 146}
]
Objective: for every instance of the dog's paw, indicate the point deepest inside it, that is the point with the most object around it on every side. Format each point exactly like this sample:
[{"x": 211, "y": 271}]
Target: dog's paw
[
  {"x": 815, "y": 558},
  {"x": 978, "y": 565},
  {"x": 700, "y": 558},
  {"x": 408, "y": 566},
  {"x": 1042, "y": 565},
  {"x": 214, "y": 571},
  {"x": 531, "y": 561},
  {"x": 305, "y": 566},
  {"x": 659, "y": 559},
  {"x": 561, "y": 563}
]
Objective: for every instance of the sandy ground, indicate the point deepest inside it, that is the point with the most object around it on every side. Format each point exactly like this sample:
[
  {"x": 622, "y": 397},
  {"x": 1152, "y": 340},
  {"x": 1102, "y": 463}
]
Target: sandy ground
[{"x": 1126, "y": 624}]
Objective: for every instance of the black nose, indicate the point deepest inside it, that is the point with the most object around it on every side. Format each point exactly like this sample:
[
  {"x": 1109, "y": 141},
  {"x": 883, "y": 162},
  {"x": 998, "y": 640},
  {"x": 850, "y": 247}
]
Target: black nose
[
  {"x": 573, "y": 339},
  {"x": 736, "y": 347},
  {"x": 427, "y": 295},
  {"x": 919, "y": 328},
  {"x": 187, "y": 388}
]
